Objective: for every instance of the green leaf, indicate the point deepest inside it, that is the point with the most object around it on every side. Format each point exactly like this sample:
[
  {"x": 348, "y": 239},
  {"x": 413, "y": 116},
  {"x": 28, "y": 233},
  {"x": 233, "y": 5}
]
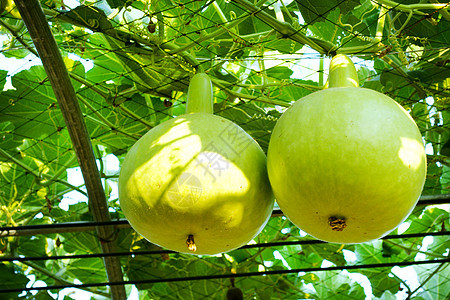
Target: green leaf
[
  {"x": 314, "y": 11},
  {"x": 294, "y": 93},
  {"x": 389, "y": 250},
  {"x": 445, "y": 179},
  {"x": 33, "y": 246},
  {"x": 433, "y": 183},
  {"x": 253, "y": 119},
  {"x": 111, "y": 125},
  {"x": 336, "y": 285},
  {"x": 8, "y": 141},
  {"x": 283, "y": 45},
  {"x": 184, "y": 265},
  {"x": 43, "y": 295},
  {"x": 364, "y": 74},
  {"x": 364, "y": 20},
  {"x": 31, "y": 107},
  {"x": 88, "y": 16},
  {"x": 330, "y": 252},
  {"x": 159, "y": 112},
  {"x": 436, "y": 284},
  {"x": 371, "y": 253},
  {"x": 11, "y": 278},
  {"x": 87, "y": 270},
  {"x": 296, "y": 258},
  {"x": 106, "y": 65},
  {"x": 430, "y": 220},
  {"x": 252, "y": 25},
  {"x": 117, "y": 3},
  {"x": 14, "y": 50},
  {"x": 428, "y": 29},
  {"x": 141, "y": 266},
  {"x": 439, "y": 246},
  {"x": 150, "y": 74},
  {"x": 392, "y": 79},
  {"x": 80, "y": 243},
  {"x": 430, "y": 75},
  {"x": 387, "y": 295},
  {"x": 17, "y": 183},
  {"x": 373, "y": 83},
  {"x": 279, "y": 72},
  {"x": 440, "y": 37},
  {"x": 76, "y": 212},
  {"x": 55, "y": 153},
  {"x": 3, "y": 76},
  {"x": 240, "y": 255},
  {"x": 327, "y": 30}
]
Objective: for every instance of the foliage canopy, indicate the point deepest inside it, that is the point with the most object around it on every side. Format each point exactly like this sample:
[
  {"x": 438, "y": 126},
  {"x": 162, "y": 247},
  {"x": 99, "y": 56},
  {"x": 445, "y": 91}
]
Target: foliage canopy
[{"x": 130, "y": 63}]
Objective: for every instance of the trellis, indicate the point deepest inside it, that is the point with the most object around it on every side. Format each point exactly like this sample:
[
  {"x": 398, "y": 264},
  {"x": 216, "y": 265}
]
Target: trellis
[{"x": 107, "y": 229}]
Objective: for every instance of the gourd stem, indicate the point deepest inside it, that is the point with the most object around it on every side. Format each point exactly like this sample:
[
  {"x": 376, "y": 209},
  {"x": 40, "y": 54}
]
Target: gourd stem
[
  {"x": 342, "y": 72},
  {"x": 337, "y": 223},
  {"x": 200, "y": 95},
  {"x": 191, "y": 244}
]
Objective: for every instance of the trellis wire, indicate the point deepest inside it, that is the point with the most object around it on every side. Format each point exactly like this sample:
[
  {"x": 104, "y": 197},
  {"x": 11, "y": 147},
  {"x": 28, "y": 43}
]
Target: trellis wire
[
  {"x": 234, "y": 275},
  {"x": 249, "y": 246}
]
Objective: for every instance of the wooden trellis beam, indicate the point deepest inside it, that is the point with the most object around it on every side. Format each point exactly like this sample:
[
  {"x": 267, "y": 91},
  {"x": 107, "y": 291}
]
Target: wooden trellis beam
[{"x": 47, "y": 48}]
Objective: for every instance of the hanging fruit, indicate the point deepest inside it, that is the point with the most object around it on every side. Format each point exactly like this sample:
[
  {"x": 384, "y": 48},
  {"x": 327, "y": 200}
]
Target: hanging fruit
[
  {"x": 346, "y": 164},
  {"x": 198, "y": 182}
]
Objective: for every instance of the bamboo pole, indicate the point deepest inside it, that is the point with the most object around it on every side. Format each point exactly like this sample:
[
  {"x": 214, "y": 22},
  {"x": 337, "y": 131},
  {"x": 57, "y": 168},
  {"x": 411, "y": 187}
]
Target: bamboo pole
[{"x": 47, "y": 48}]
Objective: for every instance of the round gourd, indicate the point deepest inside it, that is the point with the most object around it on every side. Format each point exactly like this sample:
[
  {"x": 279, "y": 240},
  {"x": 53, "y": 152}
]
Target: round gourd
[
  {"x": 346, "y": 164},
  {"x": 198, "y": 182}
]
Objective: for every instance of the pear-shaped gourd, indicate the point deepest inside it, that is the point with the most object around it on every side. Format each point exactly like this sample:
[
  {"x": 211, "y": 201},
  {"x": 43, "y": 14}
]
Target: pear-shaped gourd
[
  {"x": 346, "y": 164},
  {"x": 198, "y": 182}
]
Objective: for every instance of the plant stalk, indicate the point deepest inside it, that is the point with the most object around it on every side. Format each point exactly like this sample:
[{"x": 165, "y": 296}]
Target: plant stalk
[{"x": 413, "y": 7}]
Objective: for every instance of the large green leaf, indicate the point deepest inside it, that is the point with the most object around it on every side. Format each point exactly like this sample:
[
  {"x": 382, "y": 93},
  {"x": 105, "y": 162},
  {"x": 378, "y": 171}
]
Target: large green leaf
[
  {"x": 8, "y": 140},
  {"x": 31, "y": 107},
  {"x": 3, "y": 76},
  {"x": 334, "y": 285},
  {"x": 372, "y": 253},
  {"x": 330, "y": 252},
  {"x": 86, "y": 270},
  {"x": 117, "y": 3},
  {"x": 279, "y": 72},
  {"x": 327, "y": 30},
  {"x": 253, "y": 119},
  {"x": 428, "y": 29},
  {"x": 11, "y": 277},
  {"x": 110, "y": 125},
  {"x": 80, "y": 243},
  {"x": 57, "y": 153},
  {"x": 314, "y": 11},
  {"x": 430, "y": 220},
  {"x": 33, "y": 246},
  {"x": 436, "y": 283}
]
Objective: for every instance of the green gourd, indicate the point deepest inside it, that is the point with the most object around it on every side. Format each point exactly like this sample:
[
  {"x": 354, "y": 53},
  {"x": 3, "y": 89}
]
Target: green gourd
[
  {"x": 346, "y": 164},
  {"x": 196, "y": 183}
]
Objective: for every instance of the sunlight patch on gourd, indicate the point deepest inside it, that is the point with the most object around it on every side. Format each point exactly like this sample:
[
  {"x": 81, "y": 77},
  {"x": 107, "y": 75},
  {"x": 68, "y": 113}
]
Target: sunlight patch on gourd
[{"x": 409, "y": 153}]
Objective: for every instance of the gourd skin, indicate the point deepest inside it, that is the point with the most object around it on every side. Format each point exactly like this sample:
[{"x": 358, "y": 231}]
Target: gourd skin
[
  {"x": 347, "y": 153},
  {"x": 200, "y": 175}
]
